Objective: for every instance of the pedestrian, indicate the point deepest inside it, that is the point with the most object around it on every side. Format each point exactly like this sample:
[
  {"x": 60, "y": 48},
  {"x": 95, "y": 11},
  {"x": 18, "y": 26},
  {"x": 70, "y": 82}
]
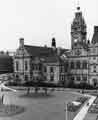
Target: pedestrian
[
  {"x": 28, "y": 90},
  {"x": 2, "y": 99},
  {"x": 88, "y": 104}
]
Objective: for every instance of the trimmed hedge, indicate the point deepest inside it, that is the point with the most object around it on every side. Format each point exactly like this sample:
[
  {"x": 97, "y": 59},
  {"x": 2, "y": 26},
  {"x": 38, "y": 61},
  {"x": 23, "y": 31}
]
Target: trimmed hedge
[{"x": 81, "y": 86}]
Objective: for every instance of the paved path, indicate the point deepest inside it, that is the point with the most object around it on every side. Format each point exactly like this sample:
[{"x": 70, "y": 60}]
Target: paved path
[{"x": 82, "y": 113}]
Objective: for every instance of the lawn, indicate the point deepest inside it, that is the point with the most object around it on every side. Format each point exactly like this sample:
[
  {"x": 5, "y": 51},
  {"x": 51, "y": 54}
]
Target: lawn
[{"x": 39, "y": 106}]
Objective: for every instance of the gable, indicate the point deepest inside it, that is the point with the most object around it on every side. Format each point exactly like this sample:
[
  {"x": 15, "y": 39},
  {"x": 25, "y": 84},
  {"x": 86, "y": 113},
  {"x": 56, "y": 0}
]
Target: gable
[{"x": 21, "y": 52}]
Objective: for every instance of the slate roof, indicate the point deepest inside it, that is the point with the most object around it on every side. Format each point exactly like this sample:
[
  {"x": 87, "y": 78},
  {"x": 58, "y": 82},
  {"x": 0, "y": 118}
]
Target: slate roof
[
  {"x": 42, "y": 51},
  {"x": 46, "y": 54},
  {"x": 53, "y": 59}
]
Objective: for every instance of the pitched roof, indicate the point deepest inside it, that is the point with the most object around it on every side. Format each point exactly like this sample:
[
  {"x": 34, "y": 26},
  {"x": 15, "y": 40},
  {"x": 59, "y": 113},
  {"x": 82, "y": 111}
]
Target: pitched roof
[
  {"x": 42, "y": 51},
  {"x": 53, "y": 59}
]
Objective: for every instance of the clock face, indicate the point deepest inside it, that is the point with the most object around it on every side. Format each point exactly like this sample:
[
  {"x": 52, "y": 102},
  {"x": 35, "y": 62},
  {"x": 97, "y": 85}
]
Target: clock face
[{"x": 78, "y": 52}]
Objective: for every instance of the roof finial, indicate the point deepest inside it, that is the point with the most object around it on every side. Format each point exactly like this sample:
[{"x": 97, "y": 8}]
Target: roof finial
[{"x": 78, "y": 5}]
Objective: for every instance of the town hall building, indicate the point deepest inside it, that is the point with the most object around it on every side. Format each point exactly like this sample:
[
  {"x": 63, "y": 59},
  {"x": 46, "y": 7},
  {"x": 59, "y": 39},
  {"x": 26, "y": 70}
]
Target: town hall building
[
  {"x": 78, "y": 64},
  {"x": 39, "y": 63},
  {"x": 83, "y": 56}
]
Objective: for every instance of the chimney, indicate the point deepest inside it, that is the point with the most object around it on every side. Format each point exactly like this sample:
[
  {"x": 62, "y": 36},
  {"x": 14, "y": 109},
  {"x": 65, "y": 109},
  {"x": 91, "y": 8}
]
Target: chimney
[
  {"x": 21, "y": 40},
  {"x": 53, "y": 45}
]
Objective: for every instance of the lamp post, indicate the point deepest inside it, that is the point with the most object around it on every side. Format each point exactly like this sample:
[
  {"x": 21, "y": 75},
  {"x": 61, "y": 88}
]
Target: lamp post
[
  {"x": 66, "y": 113},
  {"x": 21, "y": 47}
]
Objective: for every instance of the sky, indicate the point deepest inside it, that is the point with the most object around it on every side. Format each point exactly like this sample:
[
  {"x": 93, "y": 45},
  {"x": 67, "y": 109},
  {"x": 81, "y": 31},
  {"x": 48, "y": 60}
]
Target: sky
[{"x": 37, "y": 21}]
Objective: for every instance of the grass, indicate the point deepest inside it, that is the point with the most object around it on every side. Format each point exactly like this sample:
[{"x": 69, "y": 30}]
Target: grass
[{"x": 40, "y": 106}]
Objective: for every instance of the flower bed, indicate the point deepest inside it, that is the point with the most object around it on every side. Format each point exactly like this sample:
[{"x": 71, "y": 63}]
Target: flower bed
[
  {"x": 73, "y": 108},
  {"x": 82, "y": 99}
]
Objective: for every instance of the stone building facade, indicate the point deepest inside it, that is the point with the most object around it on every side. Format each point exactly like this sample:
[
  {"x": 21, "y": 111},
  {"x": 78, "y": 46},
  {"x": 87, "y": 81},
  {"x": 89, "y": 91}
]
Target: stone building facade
[
  {"x": 83, "y": 56},
  {"x": 78, "y": 64},
  {"x": 36, "y": 63}
]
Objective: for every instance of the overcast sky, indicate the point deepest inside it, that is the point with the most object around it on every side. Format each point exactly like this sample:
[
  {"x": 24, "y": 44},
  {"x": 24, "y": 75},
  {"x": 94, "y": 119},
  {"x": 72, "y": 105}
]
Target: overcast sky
[{"x": 40, "y": 20}]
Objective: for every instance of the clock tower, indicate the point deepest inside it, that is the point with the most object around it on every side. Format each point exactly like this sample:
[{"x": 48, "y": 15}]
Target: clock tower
[{"x": 78, "y": 30}]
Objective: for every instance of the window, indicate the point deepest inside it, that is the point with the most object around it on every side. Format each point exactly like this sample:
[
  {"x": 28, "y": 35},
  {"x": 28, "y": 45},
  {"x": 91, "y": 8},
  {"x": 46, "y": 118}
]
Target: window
[
  {"x": 45, "y": 69},
  {"x": 40, "y": 66},
  {"x": 94, "y": 69},
  {"x": 62, "y": 77},
  {"x": 33, "y": 66},
  {"x": 26, "y": 65},
  {"x": 78, "y": 78},
  {"x": 72, "y": 78},
  {"x": 66, "y": 64},
  {"x": 78, "y": 64},
  {"x": 94, "y": 81},
  {"x": 51, "y": 78},
  {"x": 51, "y": 69},
  {"x": 61, "y": 69},
  {"x": 26, "y": 77},
  {"x": 84, "y": 65},
  {"x": 94, "y": 58},
  {"x": 84, "y": 78},
  {"x": 72, "y": 65},
  {"x": 66, "y": 67},
  {"x": 17, "y": 65}
]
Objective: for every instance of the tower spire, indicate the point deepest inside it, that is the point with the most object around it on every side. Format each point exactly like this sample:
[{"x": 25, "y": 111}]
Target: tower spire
[{"x": 78, "y": 5}]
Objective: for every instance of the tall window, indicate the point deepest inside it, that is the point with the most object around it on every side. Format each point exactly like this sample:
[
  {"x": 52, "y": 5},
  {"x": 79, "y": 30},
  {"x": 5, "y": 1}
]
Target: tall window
[
  {"x": 78, "y": 64},
  {"x": 72, "y": 65},
  {"x": 45, "y": 69},
  {"x": 62, "y": 77},
  {"x": 66, "y": 66},
  {"x": 84, "y": 66},
  {"x": 26, "y": 65},
  {"x": 51, "y": 78},
  {"x": 26, "y": 77},
  {"x": 94, "y": 68},
  {"x": 51, "y": 69},
  {"x": 17, "y": 66},
  {"x": 40, "y": 66},
  {"x": 61, "y": 68}
]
